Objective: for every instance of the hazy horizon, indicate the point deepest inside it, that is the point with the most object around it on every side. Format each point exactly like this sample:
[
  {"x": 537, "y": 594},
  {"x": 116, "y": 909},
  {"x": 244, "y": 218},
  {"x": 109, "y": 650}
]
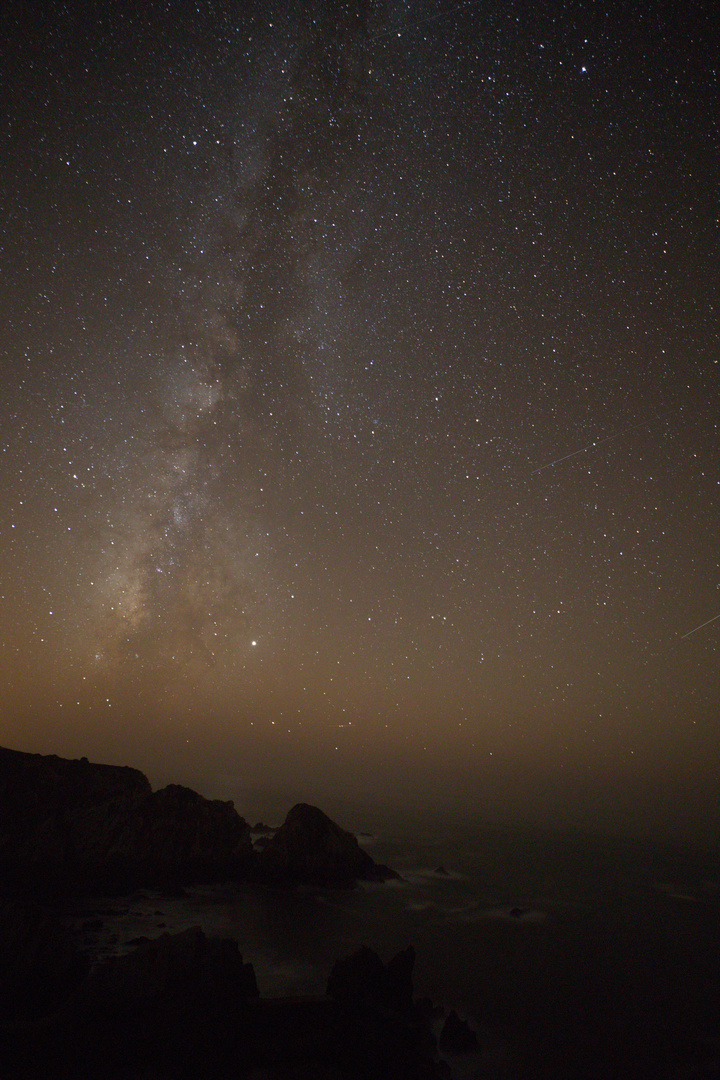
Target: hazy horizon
[{"x": 402, "y": 795}]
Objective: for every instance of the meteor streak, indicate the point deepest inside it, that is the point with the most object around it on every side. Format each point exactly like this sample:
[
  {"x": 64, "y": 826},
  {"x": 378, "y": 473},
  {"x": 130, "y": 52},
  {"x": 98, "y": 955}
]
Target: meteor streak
[
  {"x": 706, "y": 623},
  {"x": 597, "y": 442}
]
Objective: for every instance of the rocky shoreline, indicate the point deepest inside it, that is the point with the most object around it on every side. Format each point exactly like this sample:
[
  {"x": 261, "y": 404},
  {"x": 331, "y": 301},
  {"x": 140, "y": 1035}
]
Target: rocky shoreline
[
  {"x": 182, "y": 1005},
  {"x": 186, "y": 1005},
  {"x": 66, "y": 824}
]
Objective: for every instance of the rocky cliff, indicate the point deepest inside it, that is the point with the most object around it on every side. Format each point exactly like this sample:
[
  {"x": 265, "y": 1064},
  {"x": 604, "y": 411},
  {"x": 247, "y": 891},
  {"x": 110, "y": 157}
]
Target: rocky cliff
[
  {"x": 64, "y": 822},
  {"x": 310, "y": 847},
  {"x": 104, "y": 825}
]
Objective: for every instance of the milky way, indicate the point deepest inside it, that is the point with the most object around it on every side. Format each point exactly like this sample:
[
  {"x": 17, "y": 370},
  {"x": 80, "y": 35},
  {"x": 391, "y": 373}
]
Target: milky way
[{"x": 360, "y": 401}]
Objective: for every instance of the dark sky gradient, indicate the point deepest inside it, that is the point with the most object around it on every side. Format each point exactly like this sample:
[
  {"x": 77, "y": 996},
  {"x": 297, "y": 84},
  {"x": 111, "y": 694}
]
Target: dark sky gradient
[{"x": 360, "y": 402}]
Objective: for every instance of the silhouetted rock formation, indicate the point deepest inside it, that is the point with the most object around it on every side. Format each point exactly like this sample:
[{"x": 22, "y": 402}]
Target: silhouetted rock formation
[
  {"x": 385, "y": 1033},
  {"x": 185, "y": 963},
  {"x": 40, "y": 965},
  {"x": 36, "y": 790},
  {"x": 64, "y": 821},
  {"x": 185, "y": 1006},
  {"x": 262, "y": 828},
  {"x": 182, "y": 1005},
  {"x": 310, "y": 847},
  {"x": 456, "y": 1036},
  {"x": 363, "y": 978}
]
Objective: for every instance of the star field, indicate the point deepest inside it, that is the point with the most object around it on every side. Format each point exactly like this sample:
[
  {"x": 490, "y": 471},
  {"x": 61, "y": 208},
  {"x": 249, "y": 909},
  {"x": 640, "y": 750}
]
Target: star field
[{"x": 360, "y": 401}]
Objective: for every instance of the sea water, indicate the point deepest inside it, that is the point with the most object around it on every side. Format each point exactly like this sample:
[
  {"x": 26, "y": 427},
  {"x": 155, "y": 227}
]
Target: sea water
[{"x": 568, "y": 953}]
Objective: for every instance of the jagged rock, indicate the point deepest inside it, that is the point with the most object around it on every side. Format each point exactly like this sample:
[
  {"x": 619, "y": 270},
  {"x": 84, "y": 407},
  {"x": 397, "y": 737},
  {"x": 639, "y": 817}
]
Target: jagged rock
[
  {"x": 360, "y": 977},
  {"x": 187, "y": 963},
  {"x": 186, "y": 1006},
  {"x": 167, "y": 832},
  {"x": 103, "y": 824},
  {"x": 310, "y": 847},
  {"x": 399, "y": 978},
  {"x": 37, "y": 793},
  {"x": 65, "y": 824},
  {"x": 363, "y": 978},
  {"x": 457, "y": 1036},
  {"x": 429, "y": 1010},
  {"x": 383, "y": 1032}
]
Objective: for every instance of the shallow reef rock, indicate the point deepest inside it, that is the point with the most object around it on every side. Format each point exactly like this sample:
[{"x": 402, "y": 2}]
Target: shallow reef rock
[{"x": 309, "y": 847}]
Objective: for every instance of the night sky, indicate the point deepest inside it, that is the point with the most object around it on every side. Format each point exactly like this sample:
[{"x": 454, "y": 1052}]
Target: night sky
[{"x": 360, "y": 407}]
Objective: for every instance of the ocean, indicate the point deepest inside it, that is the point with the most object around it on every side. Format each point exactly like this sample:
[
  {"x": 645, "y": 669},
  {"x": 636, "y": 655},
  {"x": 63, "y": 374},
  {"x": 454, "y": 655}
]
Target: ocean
[{"x": 570, "y": 954}]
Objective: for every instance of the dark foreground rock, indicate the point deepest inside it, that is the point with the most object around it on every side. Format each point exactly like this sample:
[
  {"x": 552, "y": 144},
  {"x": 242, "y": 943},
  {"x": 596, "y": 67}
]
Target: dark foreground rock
[
  {"x": 186, "y": 1006},
  {"x": 40, "y": 964},
  {"x": 69, "y": 823},
  {"x": 174, "y": 963},
  {"x": 309, "y": 847},
  {"x": 363, "y": 979},
  {"x": 456, "y": 1036},
  {"x": 73, "y": 821}
]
